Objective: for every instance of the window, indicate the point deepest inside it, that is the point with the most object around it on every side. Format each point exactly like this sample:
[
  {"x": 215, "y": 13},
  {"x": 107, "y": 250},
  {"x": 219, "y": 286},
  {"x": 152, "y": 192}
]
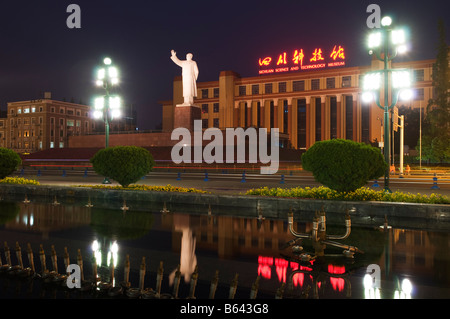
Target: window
[
  {"x": 242, "y": 90},
  {"x": 40, "y": 145},
  {"x": 41, "y": 109},
  {"x": 70, "y": 122},
  {"x": 216, "y": 108},
  {"x": 1, "y": 123},
  {"x": 61, "y": 144},
  {"x": 255, "y": 89},
  {"x": 331, "y": 83},
  {"x": 205, "y": 123},
  {"x": 216, "y": 92},
  {"x": 70, "y": 112},
  {"x": 78, "y": 123},
  {"x": 33, "y": 110},
  {"x": 268, "y": 88},
  {"x": 61, "y": 122},
  {"x": 205, "y": 94},
  {"x": 346, "y": 81},
  {"x": 53, "y": 110},
  {"x": 315, "y": 84},
  {"x": 216, "y": 123},
  {"x": 52, "y": 120},
  {"x": 205, "y": 108},
  {"x": 419, "y": 75},
  {"x": 419, "y": 95},
  {"x": 61, "y": 110},
  {"x": 52, "y": 144},
  {"x": 19, "y": 111},
  {"x": 40, "y": 120},
  {"x": 298, "y": 86},
  {"x": 282, "y": 87}
]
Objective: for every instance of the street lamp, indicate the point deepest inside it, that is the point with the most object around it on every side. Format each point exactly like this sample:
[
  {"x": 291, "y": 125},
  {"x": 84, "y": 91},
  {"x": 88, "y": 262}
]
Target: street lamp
[
  {"x": 378, "y": 43},
  {"x": 107, "y": 107}
]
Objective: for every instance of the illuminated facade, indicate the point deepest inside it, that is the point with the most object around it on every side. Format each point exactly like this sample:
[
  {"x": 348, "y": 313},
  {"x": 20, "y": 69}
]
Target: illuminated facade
[
  {"x": 37, "y": 125},
  {"x": 308, "y": 96}
]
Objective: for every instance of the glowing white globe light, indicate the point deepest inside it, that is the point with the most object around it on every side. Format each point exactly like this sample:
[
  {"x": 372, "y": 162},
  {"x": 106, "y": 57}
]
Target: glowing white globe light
[
  {"x": 107, "y": 61},
  {"x": 386, "y": 21}
]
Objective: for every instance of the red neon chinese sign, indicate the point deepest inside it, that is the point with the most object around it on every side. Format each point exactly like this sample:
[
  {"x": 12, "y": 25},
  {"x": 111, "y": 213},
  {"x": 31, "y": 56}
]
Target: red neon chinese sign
[{"x": 316, "y": 59}]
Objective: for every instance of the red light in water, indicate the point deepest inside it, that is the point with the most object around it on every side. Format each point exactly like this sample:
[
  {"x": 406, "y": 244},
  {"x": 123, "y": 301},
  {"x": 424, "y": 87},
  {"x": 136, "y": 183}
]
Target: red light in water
[
  {"x": 337, "y": 283},
  {"x": 264, "y": 267}
]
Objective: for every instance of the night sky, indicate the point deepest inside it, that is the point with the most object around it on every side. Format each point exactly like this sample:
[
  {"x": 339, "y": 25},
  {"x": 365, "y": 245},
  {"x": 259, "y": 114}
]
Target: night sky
[{"x": 39, "y": 53}]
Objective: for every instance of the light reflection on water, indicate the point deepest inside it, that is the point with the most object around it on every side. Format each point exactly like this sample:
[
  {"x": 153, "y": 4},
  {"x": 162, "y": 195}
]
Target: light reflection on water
[{"x": 412, "y": 263}]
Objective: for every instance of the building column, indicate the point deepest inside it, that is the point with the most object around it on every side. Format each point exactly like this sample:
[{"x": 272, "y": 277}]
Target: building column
[
  {"x": 325, "y": 118},
  {"x": 339, "y": 117},
  {"x": 294, "y": 124},
  {"x": 236, "y": 114},
  {"x": 310, "y": 123},
  {"x": 357, "y": 117}
]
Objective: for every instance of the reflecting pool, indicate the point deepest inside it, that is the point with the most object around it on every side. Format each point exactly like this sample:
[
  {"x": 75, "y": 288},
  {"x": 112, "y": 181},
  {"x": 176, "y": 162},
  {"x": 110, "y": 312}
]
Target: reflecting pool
[{"x": 204, "y": 247}]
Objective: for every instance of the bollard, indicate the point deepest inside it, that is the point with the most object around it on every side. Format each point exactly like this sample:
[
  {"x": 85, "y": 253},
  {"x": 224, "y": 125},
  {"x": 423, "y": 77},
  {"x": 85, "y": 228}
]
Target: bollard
[
  {"x": 206, "y": 177},
  {"x": 7, "y": 255},
  {"x": 159, "y": 278},
  {"x": 80, "y": 264},
  {"x": 66, "y": 259},
  {"x": 179, "y": 176},
  {"x": 375, "y": 184},
  {"x": 126, "y": 273},
  {"x": 255, "y": 287},
  {"x": 194, "y": 279},
  {"x": 213, "y": 287},
  {"x": 64, "y": 173},
  {"x": 233, "y": 287},
  {"x": 39, "y": 173},
  {"x": 142, "y": 275},
  {"x": 42, "y": 259},
  {"x": 176, "y": 283},
  {"x": 30, "y": 258},
  {"x": 85, "y": 173},
  {"x": 243, "y": 178},
  {"x": 435, "y": 185},
  {"x": 19, "y": 255},
  {"x": 280, "y": 292},
  {"x": 282, "y": 179}
]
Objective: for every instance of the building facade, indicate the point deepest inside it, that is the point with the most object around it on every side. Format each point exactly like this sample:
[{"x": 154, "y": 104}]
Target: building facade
[
  {"x": 306, "y": 106},
  {"x": 36, "y": 125}
]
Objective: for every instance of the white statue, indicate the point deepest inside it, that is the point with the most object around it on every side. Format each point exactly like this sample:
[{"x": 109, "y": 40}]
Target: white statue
[{"x": 189, "y": 75}]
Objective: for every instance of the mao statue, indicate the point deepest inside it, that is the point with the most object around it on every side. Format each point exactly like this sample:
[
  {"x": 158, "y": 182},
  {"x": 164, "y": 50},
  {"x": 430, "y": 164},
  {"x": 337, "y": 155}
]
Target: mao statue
[{"x": 189, "y": 75}]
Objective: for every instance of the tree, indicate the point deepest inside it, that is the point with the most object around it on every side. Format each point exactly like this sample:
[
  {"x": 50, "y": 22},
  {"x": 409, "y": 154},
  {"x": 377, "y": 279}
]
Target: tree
[
  {"x": 9, "y": 162},
  {"x": 437, "y": 120},
  {"x": 344, "y": 165},
  {"x": 124, "y": 164}
]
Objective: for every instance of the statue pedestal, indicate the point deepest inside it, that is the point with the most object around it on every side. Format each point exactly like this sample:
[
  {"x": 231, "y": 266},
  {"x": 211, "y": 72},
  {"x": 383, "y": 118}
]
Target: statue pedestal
[{"x": 185, "y": 115}]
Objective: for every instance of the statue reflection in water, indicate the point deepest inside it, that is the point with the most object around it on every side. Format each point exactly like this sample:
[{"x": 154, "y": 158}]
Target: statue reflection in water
[{"x": 188, "y": 259}]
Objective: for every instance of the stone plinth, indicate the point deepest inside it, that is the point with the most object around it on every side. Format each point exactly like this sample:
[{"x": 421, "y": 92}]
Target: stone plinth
[{"x": 185, "y": 115}]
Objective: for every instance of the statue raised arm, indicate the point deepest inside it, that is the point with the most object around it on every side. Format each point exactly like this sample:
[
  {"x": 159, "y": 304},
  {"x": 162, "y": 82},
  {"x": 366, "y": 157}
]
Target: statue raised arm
[{"x": 189, "y": 75}]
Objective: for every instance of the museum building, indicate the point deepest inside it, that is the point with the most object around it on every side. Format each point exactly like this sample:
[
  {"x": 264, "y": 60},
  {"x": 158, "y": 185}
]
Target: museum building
[{"x": 306, "y": 104}]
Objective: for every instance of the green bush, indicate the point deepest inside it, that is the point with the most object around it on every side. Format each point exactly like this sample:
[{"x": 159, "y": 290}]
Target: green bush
[
  {"x": 9, "y": 162},
  {"x": 344, "y": 165},
  {"x": 124, "y": 164}
]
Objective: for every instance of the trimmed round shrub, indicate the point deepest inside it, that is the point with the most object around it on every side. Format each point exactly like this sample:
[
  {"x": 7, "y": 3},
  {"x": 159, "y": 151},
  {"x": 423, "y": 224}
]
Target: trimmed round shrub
[
  {"x": 344, "y": 165},
  {"x": 9, "y": 162},
  {"x": 124, "y": 164}
]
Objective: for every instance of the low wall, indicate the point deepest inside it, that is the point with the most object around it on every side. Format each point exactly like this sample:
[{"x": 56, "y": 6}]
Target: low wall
[{"x": 408, "y": 215}]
